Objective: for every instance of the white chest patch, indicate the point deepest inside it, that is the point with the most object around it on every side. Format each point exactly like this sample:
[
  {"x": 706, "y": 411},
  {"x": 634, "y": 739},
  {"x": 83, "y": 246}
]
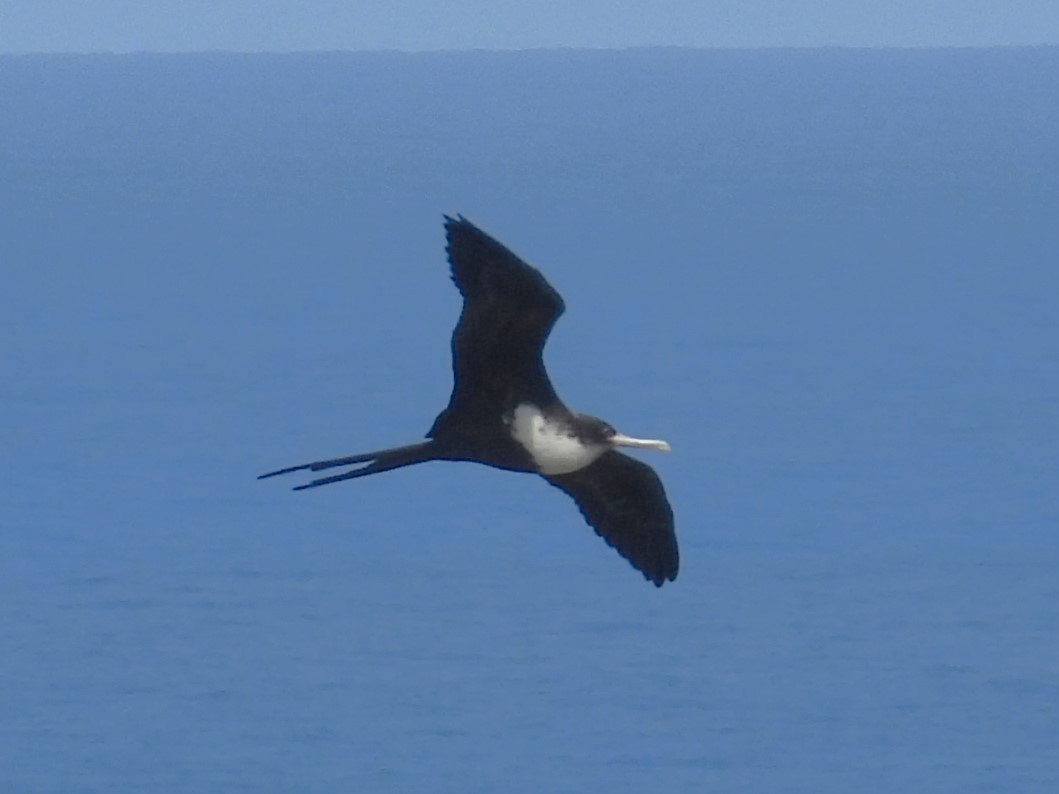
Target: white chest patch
[{"x": 552, "y": 449}]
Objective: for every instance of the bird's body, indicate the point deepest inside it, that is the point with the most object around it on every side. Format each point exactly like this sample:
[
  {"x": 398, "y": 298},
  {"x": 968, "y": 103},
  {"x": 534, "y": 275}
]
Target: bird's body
[
  {"x": 504, "y": 411},
  {"x": 552, "y": 442}
]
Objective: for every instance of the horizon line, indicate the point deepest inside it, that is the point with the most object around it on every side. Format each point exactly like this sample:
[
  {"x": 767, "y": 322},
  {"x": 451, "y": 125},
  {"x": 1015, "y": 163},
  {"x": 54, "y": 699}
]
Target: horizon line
[{"x": 526, "y": 50}]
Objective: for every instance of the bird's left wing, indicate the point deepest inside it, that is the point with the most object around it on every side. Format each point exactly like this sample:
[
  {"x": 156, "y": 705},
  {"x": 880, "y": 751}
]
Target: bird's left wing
[
  {"x": 624, "y": 501},
  {"x": 509, "y": 309}
]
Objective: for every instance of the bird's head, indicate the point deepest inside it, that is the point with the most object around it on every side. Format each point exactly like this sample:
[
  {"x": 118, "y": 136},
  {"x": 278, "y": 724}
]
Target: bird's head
[{"x": 595, "y": 430}]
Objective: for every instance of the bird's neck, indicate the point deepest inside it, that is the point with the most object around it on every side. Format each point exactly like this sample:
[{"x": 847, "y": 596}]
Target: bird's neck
[{"x": 551, "y": 441}]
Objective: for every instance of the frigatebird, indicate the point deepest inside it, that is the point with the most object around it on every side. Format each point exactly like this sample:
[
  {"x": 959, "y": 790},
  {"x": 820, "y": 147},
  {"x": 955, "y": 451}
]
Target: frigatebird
[{"x": 504, "y": 411}]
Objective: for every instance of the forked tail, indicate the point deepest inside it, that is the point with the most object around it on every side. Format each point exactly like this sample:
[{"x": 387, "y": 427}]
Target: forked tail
[{"x": 382, "y": 460}]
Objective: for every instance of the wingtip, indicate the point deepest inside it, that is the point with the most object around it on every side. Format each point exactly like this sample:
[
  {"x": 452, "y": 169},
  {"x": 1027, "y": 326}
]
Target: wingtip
[
  {"x": 661, "y": 568},
  {"x": 660, "y": 579},
  {"x": 459, "y": 220},
  {"x": 451, "y": 225}
]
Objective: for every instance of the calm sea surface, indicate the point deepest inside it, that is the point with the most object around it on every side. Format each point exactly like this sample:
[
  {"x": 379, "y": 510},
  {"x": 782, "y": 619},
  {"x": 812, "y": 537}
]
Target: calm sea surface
[{"x": 828, "y": 278}]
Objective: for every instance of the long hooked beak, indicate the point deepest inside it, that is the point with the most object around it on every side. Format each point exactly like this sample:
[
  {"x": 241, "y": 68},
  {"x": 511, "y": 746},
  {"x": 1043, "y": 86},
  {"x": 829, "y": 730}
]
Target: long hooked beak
[{"x": 622, "y": 440}]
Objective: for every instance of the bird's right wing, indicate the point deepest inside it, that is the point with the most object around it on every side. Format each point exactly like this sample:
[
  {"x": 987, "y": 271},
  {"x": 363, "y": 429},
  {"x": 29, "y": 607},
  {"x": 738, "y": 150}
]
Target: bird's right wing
[
  {"x": 508, "y": 311},
  {"x": 624, "y": 501}
]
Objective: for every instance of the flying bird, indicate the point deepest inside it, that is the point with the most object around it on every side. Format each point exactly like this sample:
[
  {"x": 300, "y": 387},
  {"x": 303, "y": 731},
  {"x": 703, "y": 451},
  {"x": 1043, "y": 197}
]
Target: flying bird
[{"x": 504, "y": 411}]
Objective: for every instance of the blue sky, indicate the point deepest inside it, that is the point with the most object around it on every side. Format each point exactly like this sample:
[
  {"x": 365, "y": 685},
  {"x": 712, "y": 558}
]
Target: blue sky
[{"x": 273, "y": 25}]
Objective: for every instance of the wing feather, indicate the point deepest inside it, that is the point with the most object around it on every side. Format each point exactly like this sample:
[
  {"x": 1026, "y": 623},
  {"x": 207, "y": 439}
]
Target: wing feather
[
  {"x": 509, "y": 310},
  {"x": 624, "y": 501}
]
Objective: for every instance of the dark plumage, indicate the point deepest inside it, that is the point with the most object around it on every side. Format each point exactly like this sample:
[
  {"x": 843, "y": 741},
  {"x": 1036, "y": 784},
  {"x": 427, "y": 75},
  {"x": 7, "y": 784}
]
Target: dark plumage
[
  {"x": 504, "y": 411},
  {"x": 624, "y": 501}
]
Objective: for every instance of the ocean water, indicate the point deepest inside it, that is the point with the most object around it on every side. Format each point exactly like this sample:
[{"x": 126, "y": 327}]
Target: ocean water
[{"x": 827, "y": 277}]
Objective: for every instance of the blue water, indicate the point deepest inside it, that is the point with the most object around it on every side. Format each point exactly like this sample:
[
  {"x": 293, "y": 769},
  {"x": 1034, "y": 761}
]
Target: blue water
[{"x": 828, "y": 278}]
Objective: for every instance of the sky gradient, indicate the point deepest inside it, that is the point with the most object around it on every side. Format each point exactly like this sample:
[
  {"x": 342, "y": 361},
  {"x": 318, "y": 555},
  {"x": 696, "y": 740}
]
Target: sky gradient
[{"x": 242, "y": 25}]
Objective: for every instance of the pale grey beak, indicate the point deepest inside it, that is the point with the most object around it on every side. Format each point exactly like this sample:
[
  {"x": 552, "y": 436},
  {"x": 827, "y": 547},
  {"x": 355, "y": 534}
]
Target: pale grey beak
[{"x": 622, "y": 440}]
